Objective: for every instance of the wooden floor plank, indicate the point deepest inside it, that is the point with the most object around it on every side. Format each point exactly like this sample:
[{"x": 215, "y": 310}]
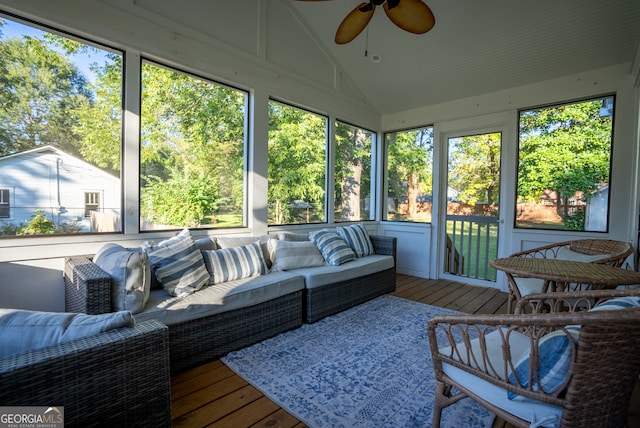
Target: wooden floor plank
[
  {"x": 280, "y": 419},
  {"x": 188, "y": 403},
  {"x": 213, "y": 395},
  {"x": 224, "y": 406},
  {"x": 256, "y": 410}
]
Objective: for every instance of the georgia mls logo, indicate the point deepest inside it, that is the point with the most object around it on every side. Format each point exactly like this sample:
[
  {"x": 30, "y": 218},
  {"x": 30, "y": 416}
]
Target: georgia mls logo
[{"x": 31, "y": 417}]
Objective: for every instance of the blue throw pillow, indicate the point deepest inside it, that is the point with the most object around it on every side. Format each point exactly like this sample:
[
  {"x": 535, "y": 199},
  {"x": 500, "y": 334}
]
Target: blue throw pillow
[
  {"x": 22, "y": 330},
  {"x": 334, "y": 250},
  {"x": 357, "y": 238},
  {"x": 232, "y": 263},
  {"x": 617, "y": 303},
  {"x": 556, "y": 352}
]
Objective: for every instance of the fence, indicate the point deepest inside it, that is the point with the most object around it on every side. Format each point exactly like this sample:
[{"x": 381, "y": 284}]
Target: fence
[{"x": 472, "y": 241}]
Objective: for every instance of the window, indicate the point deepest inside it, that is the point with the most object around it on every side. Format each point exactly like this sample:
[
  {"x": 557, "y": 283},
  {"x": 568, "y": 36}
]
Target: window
[
  {"x": 5, "y": 204},
  {"x": 297, "y": 165},
  {"x": 564, "y": 164},
  {"x": 409, "y": 161},
  {"x": 192, "y": 151},
  {"x": 60, "y": 129},
  {"x": 91, "y": 203},
  {"x": 354, "y": 147}
]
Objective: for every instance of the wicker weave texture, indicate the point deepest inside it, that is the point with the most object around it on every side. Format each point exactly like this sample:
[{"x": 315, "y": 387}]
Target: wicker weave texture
[
  {"x": 618, "y": 251},
  {"x": 601, "y": 377},
  {"x": 87, "y": 287},
  {"x": 333, "y": 298},
  {"x": 117, "y": 378},
  {"x": 196, "y": 342}
]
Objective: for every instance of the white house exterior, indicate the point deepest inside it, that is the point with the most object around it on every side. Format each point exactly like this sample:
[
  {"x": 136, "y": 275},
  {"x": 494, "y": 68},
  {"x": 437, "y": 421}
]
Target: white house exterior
[{"x": 66, "y": 188}]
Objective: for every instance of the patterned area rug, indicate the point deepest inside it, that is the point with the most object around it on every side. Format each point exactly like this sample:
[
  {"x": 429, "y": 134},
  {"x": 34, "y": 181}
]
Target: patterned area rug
[{"x": 369, "y": 366}]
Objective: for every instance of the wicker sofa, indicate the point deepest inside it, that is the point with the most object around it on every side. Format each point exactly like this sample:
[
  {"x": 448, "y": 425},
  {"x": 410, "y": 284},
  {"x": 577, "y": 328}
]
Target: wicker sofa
[
  {"x": 244, "y": 322},
  {"x": 116, "y": 378}
]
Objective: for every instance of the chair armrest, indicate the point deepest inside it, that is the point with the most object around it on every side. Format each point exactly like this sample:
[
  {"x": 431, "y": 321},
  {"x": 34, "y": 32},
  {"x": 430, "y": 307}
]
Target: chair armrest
[
  {"x": 87, "y": 287},
  {"x": 385, "y": 245},
  {"x": 460, "y": 341},
  {"x": 569, "y": 301},
  {"x": 117, "y": 378}
]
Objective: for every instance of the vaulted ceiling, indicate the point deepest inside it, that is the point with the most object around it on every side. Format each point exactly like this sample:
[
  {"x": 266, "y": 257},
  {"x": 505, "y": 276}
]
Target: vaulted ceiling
[{"x": 476, "y": 46}]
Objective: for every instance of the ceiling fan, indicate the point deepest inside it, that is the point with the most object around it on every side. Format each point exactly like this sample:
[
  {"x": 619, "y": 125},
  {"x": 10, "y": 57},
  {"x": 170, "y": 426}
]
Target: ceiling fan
[{"x": 413, "y": 16}]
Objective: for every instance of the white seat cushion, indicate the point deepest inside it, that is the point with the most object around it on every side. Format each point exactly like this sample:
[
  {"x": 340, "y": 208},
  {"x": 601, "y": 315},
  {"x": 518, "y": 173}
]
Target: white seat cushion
[
  {"x": 537, "y": 413},
  {"x": 528, "y": 286},
  {"x": 532, "y": 411}
]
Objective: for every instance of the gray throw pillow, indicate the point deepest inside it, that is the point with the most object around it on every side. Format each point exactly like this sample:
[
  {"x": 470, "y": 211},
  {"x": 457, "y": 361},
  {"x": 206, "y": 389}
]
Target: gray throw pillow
[
  {"x": 295, "y": 254},
  {"x": 130, "y": 276}
]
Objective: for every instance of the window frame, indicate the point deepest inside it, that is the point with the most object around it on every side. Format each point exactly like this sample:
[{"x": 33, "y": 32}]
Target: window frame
[
  {"x": 592, "y": 98},
  {"x": 327, "y": 202},
  {"x": 76, "y": 209},
  {"x": 372, "y": 173},
  {"x": 90, "y": 195},
  {"x": 246, "y": 137},
  {"x": 384, "y": 189},
  {"x": 5, "y": 191}
]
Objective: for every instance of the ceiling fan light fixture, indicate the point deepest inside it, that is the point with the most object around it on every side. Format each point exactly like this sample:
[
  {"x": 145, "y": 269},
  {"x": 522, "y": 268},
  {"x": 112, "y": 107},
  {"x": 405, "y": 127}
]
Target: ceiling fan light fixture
[{"x": 413, "y": 16}]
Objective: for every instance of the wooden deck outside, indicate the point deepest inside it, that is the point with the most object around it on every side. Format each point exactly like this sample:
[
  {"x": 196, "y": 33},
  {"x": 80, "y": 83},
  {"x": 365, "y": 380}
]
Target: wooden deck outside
[{"x": 212, "y": 395}]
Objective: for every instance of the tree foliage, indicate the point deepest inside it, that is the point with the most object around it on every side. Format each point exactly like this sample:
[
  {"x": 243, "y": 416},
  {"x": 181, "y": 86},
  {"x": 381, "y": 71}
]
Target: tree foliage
[
  {"x": 42, "y": 93},
  {"x": 410, "y": 165},
  {"x": 474, "y": 168},
  {"x": 352, "y": 172},
  {"x": 297, "y": 159},
  {"x": 192, "y": 148},
  {"x": 565, "y": 149}
]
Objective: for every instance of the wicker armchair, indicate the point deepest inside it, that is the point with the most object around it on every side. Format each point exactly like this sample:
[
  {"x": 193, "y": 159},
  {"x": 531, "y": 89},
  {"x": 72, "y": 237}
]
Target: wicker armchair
[
  {"x": 601, "y": 251},
  {"x": 118, "y": 378},
  {"x": 479, "y": 356}
]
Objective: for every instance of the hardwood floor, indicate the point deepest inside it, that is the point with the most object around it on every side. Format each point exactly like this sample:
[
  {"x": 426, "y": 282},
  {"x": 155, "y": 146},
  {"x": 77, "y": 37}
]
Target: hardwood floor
[{"x": 212, "y": 395}]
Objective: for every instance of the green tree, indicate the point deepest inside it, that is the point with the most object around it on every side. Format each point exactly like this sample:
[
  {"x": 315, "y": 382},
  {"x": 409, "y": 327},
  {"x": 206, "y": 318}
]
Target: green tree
[
  {"x": 192, "y": 154},
  {"x": 41, "y": 95},
  {"x": 297, "y": 145},
  {"x": 352, "y": 171},
  {"x": 410, "y": 165},
  {"x": 566, "y": 149},
  {"x": 38, "y": 225},
  {"x": 474, "y": 168}
]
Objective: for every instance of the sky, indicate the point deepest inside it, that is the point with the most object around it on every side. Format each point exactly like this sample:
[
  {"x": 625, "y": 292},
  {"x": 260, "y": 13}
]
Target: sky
[{"x": 82, "y": 61}]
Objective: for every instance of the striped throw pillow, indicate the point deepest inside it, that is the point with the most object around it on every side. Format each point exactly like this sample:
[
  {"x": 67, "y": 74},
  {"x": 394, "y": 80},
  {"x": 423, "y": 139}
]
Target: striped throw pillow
[
  {"x": 556, "y": 352},
  {"x": 334, "y": 250},
  {"x": 235, "y": 263},
  {"x": 618, "y": 303},
  {"x": 178, "y": 265},
  {"x": 357, "y": 238}
]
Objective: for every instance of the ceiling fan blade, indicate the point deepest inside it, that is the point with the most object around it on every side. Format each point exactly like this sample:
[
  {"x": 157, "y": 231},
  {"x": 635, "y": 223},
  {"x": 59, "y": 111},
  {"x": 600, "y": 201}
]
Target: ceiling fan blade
[
  {"x": 413, "y": 16},
  {"x": 354, "y": 23}
]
